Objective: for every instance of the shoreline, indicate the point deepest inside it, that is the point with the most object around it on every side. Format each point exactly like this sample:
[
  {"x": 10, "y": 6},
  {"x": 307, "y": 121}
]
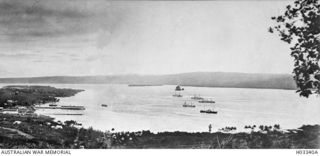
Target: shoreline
[
  {"x": 21, "y": 132},
  {"x": 30, "y": 130},
  {"x": 240, "y": 129}
]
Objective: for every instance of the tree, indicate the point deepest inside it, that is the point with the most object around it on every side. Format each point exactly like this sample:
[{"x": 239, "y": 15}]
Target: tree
[{"x": 299, "y": 26}]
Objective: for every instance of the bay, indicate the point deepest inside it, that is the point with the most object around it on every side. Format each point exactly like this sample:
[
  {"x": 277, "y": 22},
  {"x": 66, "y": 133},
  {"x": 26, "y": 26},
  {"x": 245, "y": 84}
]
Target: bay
[{"x": 154, "y": 108}]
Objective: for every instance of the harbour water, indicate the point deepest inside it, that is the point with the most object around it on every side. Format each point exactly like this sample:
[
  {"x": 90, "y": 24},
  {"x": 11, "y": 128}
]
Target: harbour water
[{"x": 154, "y": 108}]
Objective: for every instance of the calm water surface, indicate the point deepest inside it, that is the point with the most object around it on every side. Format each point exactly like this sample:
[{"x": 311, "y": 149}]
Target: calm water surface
[{"x": 153, "y": 108}]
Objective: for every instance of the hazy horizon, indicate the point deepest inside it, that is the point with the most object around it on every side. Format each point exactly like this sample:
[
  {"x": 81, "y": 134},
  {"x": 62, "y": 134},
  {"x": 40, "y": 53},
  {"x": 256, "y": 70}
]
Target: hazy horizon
[
  {"x": 79, "y": 38},
  {"x": 137, "y": 74}
]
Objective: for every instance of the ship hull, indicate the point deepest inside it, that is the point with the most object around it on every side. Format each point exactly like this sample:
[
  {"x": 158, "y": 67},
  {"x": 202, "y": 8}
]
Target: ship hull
[
  {"x": 209, "y": 112},
  {"x": 207, "y": 102}
]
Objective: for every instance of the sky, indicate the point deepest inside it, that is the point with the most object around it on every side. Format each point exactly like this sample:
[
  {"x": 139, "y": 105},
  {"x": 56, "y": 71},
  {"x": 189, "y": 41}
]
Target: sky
[{"x": 78, "y": 37}]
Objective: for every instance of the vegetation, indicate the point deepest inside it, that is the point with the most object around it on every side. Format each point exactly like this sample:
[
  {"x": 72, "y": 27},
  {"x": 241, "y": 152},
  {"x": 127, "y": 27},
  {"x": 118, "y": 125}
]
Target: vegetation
[
  {"x": 260, "y": 139},
  {"x": 11, "y": 96},
  {"x": 46, "y": 133},
  {"x": 300, "y": 27}
]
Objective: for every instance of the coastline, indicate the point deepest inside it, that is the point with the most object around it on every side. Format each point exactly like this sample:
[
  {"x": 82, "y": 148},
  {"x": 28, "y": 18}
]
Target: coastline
[
  {"x": 43, "y": 132},
  {"x": 127, "y": 116}
]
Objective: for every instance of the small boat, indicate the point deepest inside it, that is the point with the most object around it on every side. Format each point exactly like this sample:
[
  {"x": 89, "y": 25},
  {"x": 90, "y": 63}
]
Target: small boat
[
  {"x": 206, "y": 101},
  {"x": 53, "y": 105},
  {"x": 208, "y": 111},
  {"x": 188, "y": 105},
  {"x": 195, "y": 97},
  {"x": 104, "y": 105}
]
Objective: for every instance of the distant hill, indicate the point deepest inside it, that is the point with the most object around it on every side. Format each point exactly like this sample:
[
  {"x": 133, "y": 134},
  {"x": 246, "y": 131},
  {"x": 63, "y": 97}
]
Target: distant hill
[{"x": 201, "y": 79}]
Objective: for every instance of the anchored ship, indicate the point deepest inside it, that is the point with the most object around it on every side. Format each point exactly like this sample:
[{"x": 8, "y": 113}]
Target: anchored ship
[
  {"x": 206, "y": 101},
  {"x": 208, "y": 111},
  {"x": 63, "y": 107},
  {"x": 73, "y": 107},
  {"x": 188, "y": 105},
  {"x": 176, "y": 95},
  {"x": 195, "y": 97}
]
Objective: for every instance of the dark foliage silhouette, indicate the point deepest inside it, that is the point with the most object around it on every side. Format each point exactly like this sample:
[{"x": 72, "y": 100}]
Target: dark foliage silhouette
[{"x": 300, "y": 27}]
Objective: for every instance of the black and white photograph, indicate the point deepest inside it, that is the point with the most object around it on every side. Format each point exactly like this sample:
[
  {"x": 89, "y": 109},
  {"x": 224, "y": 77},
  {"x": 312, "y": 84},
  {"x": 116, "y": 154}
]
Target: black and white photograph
[{"x": 214, "y": 74}]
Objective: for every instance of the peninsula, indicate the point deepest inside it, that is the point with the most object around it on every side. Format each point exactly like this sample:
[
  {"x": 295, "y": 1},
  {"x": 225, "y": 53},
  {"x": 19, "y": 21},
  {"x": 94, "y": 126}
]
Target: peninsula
[{"x": 23, "y": 95}]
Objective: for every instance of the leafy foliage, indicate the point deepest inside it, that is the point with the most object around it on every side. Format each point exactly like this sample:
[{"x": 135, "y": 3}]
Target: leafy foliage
[
  {"x": 299, "y": 26},
  {"x": 30, "y": 95}
]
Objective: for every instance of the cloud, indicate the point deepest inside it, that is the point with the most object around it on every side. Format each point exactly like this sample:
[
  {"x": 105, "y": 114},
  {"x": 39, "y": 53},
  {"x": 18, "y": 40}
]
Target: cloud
[{"x": 28, "y": 20}]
